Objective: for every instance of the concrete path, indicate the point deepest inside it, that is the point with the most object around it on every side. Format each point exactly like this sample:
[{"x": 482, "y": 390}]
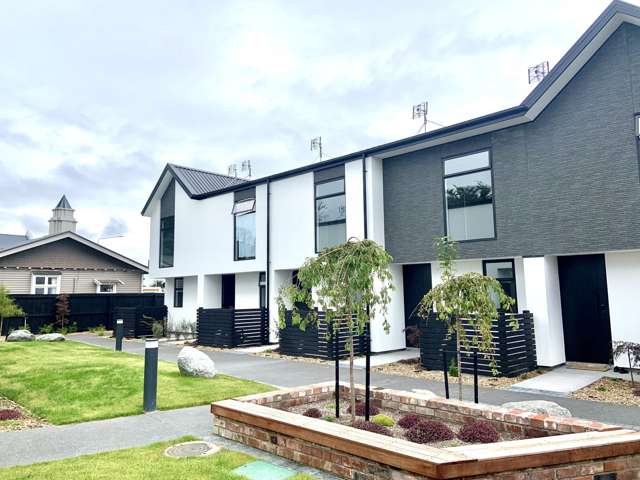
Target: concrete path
[
  {"x": 561, "y": 381},
  {"x": 385, "y": 358},
  {"x": 288, "y": 373}
]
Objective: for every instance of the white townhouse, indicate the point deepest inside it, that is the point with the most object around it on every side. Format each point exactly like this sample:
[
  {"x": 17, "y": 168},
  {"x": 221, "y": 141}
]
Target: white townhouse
[{"x": 544, "y": 196}]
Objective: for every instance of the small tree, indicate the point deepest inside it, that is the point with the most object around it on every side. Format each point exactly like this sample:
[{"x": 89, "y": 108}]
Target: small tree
[
  {"x": 8, "y": 308},
  {"x": 62, "y": 309},
  {"x": 350, "y": 283},
  {"x": 632, "y": 351},
  {"x": 469, "y": 298}
]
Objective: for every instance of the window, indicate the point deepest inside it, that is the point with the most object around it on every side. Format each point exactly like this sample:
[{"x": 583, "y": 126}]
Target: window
[
  {"x": 244, "y": 219},
  {"x": 45, "y": 284},
  {"x": 178, "y": 292},
  {"x": 503, "y": 271},
  {"x": 167, "y": 225},
  {"x": 469, "y": 197},
  {"x": 331, "y": 214},
  {"x": 262, "y": 285},
  {"x": 107, "y": 288}
]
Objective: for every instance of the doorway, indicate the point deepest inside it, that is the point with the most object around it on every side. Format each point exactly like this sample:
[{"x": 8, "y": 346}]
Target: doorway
[
  {"x": 416, "y": 280},
  {"x": 228, "y": 291},
  {"x": 585, "y": 308}
]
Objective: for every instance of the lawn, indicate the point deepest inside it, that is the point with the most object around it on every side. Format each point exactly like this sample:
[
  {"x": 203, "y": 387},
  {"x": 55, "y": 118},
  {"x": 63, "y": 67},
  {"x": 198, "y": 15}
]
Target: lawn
[
  {"x": 138, "y": 463},
  {"x": 70, "y": 382}
]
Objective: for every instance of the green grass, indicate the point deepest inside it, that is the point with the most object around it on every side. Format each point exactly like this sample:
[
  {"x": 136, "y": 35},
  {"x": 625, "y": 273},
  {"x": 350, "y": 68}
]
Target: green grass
[
  {"x": 137, "y": 463},
  {"x": 70, "y": 382}
]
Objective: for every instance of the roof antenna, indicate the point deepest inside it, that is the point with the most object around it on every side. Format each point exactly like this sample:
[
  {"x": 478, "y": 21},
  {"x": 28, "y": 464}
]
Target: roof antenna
[
  {"x": 538, "y": 72},
  {"x": 316, "y": 144},
  {"x": 232, "y": 170},
  {"x": 420, "y": 112},
  {"x": 245, "y": 168}
]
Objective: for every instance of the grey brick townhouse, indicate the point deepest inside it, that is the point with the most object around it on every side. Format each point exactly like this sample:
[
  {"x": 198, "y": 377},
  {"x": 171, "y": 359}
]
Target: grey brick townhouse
[{"x": 544, "y": 196}]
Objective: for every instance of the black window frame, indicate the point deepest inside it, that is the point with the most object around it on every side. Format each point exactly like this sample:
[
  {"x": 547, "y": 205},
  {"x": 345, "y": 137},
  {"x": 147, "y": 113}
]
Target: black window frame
[
  {"x": 165, "y": 221},
  {"x": 514, "y": 307},
  {"x": 178, "y": 300},
  {"x": 323, "y": 181},
  {"x": 239, "y": 197},
  {"x": 262, "y": 289},
  {"x": 489, "y": 150}
]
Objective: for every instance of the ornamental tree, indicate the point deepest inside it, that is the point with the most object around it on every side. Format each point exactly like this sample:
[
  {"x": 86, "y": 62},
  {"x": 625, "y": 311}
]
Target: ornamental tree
[
  {"x": 350, "y": 283},
  {"x": 470, "y": 299},
  {"x": 630, "y": 350},
  {"x": 8, "y": 308}
]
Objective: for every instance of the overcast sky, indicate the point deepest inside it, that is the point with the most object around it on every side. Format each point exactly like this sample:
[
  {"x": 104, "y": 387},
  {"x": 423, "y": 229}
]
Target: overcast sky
[{"x": 96, "y": 96}]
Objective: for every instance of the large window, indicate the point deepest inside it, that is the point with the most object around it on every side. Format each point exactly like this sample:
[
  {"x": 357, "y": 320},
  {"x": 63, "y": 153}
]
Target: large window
[
  {"x": 45, "y": 284},
  {"x": 178, "y": 291},
  {"x": 167, "y": 225},
  {"x": 331, "y": 213},
  {"x": 469, "y": 197},
  {"x": 244, "y": 215},
  {"x": 505, "y": 273}
]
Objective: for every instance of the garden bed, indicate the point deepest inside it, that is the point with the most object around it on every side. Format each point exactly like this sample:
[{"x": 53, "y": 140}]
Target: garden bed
[
  {"x": 14, "y": 417},
  {"x": 548, "y": 447},
  {"x": 611, "y": 390}
]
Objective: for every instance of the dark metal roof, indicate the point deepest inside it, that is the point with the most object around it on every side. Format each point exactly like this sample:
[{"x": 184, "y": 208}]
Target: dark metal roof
[
  {"x": 64, "y": 203},
  {"x": 9, "y": 241},
  {"x": 200, "y": 182}
]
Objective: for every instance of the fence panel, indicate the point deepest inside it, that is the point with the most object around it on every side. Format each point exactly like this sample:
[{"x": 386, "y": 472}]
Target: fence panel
[
  {"x": 514, "y": 351},
  {"x": 232, "y": 328}
]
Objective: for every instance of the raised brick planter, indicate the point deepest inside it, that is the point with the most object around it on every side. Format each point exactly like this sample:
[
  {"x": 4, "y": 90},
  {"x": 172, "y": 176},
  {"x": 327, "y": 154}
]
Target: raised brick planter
[{"x": 571, "y": 448}]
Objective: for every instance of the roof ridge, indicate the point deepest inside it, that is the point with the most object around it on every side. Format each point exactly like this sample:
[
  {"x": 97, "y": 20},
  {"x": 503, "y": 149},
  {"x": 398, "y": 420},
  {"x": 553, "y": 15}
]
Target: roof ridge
[{"x": 207, "y": 172}]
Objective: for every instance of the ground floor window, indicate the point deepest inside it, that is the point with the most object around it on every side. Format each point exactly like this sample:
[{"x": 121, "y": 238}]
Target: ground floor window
[
  {"x": 262, "y": 285},
  {"x": 45, "y": 284},
  {"x": 505, "y": 273},
  {"x": 178, "y": 292}
]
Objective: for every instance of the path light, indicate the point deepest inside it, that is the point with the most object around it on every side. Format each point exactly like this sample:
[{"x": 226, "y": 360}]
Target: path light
[
  {"x": 119, "y": 334},
  {"x": 150, "y": 374}
]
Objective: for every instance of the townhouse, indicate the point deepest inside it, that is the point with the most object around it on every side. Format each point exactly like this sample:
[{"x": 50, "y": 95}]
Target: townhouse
[{"x": 544, "y": 196}]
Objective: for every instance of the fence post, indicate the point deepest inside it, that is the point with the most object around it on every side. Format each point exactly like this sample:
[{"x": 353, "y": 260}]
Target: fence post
[
  {"x": 503, "y": 367},
  {"x": 530, "y": 341},
  {"x": 367, "y": 381},
  {"x": 336, "y": 342},
  {"x": 119, "y": 334},
  {"x": 475, "y": 376},
  {"x": 446, "y": 373},
  {"x": 150, "y": 374}
]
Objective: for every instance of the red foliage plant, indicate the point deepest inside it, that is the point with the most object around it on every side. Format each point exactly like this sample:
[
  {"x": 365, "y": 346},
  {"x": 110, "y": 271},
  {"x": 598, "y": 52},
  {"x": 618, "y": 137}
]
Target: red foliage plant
[
  {"x": 429, "y": 431},
  {"x": 478, "y": 431},
  {"x": 10, "y": 414},
  {"x": 360, "y": 408},
  {"x": 313, "y": 413},
  {"x": 372, "y": 427},
  {"x": 409, "y": 421}
]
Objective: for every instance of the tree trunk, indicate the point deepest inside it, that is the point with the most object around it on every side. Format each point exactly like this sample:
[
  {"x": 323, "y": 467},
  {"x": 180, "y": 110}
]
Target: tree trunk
[
  {"x": 633, "y": 383},
  {"x": 352, "y": 387},
  {"x": 459, "y": 358}
]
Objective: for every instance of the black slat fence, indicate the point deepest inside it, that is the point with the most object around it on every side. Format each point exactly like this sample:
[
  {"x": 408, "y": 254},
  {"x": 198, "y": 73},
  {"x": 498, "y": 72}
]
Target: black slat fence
[{"x": 232, "y": 328}]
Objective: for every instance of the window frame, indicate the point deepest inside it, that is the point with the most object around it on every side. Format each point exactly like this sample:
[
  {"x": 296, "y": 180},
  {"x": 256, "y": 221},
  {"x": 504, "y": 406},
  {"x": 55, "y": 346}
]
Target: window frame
[
  {"x": 100, "y": 285},
  {"x": 236, "y": 255},
  {"x": 45, "y": 286},
  {"x": 514, "y": 307},
  {"x": 170, "y": 187},
  {"x": 489, "y": 151},
  {"x": 175, "y": 291},
  {"x": 322, "y": 197}
]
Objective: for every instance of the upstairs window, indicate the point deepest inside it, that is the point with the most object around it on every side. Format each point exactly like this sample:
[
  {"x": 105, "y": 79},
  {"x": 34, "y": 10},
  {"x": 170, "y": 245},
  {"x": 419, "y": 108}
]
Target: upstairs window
[
  {"x": 178, "y": 291},
  {"x": 167, "y": 225},
  {"x": 469, "y": 197},
  {"x": 244, "y": 219},
  {"x": 331, "y": 208}
]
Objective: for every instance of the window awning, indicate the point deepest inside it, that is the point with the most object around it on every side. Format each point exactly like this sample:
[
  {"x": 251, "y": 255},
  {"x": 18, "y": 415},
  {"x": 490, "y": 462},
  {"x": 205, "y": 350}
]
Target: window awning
[
  {"x": 244, "y": 206},
  {"x": 108, "y": 282}
]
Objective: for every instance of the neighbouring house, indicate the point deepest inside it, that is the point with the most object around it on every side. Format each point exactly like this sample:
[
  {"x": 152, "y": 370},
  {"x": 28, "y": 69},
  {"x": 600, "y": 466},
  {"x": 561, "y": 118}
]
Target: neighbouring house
[
  {"x": 65, "y": 262},
  {"x": 544, "y": 196}
]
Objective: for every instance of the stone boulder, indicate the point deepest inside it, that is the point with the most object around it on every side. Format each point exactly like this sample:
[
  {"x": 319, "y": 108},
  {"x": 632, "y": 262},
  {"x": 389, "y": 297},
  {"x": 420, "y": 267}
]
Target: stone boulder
[
  {"x": 51, "y": 337},
  {"x": 540, "y": 406},
  {"x": 21, "y": 336},
  {"x": 194, "y": 363}
]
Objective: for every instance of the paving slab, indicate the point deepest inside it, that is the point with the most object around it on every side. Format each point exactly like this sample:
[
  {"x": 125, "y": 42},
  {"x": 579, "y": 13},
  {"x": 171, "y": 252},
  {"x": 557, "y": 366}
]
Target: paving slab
[{"x": 561, "y": 381}]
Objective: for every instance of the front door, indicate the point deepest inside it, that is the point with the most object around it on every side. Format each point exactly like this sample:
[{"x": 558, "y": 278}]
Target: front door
[
  {"x": 585, "y": 308},
  {"x": 416, "y": 280},
  {"x": 228, "y": 291}
]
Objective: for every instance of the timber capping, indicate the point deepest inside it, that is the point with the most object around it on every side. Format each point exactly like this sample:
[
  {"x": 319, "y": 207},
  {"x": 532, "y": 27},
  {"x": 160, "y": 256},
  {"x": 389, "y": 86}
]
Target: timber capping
[{"x": 599, "y": 442}]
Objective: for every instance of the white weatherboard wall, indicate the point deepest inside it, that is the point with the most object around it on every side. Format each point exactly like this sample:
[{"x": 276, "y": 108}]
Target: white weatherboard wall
[
  {"x": 623, "y": 285},
  {"x": 461, "y": 267},
  {"x": 542, "y": 287},
  {"x": 247, "y": 290}
]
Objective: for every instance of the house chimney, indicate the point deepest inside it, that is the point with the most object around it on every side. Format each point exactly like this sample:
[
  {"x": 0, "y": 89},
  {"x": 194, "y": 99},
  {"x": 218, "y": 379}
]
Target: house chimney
[{"x": 62, "y": 219}]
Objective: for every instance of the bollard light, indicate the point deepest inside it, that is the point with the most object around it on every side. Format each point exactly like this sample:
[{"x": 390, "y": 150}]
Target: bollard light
[
  {"x": 119, "y": 334},
  {"x": 150, "y": 374}
]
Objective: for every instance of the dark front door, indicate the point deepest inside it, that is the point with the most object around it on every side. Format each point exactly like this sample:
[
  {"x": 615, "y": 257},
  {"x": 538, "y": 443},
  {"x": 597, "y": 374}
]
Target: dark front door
[
  {"x": 228, "y": 291},
  {"x": 416, "y": 282},
  {"x": 585, "y": 308}
]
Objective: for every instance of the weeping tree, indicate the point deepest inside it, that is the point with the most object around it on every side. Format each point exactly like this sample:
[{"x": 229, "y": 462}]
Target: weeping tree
[
  {"x": 8, "y": 308},
  {"x": 350, "y": 283},
  {"x": 467, "y": 304}
]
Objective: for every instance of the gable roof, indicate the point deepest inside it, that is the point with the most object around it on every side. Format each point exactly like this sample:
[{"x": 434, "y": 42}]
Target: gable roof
[
  {"x": 8, "y": 241},
  {"x": 38, "y": 242},
  {"x": 544, "y": 92}
]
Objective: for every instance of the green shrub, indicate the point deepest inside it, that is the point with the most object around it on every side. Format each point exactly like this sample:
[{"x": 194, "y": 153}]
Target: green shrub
[
  {"x": 453, "y": 369},
  {"x": 99, "y": 330},
  {"x": 329, "y": 418},
  {"x": 48, "y": 328},
  {"x": 383, "y": 420}
]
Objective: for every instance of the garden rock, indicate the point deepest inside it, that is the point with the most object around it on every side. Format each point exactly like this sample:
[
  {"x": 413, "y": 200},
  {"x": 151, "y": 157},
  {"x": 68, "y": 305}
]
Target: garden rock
[
  {"x": 51, "y": 337},
  {"x": 21, "y": 336},
  {"x": 540, "y": 406},
  {"x": 194, "y": 363}
]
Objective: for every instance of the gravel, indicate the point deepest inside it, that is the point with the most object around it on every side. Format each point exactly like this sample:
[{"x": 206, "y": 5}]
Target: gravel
[
  {"x": 27, "y": 421},
  {"x": 611, "y": 390}
]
